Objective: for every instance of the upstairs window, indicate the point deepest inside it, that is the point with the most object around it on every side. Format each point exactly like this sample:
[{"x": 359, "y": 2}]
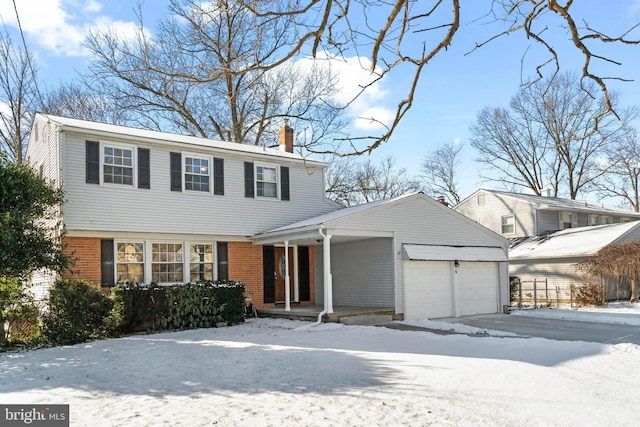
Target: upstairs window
[
  {"x": 117, "y": 164},
  {"x": 508, "y": 224},
  {"x": 266, "y": 181},
  {"x": 111, "y": 163},
  {"x": 480, "y": 199},
  {"x": 196, "y": 174}
]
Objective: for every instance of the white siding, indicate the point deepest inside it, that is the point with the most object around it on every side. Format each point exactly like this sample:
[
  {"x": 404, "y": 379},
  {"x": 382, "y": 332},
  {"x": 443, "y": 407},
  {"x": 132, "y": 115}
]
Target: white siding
[
  {"x": 362, "y": 273},
  {"x": 495, "y": 206},
  {"x": 159, "y": 210},
  {"x": 560, "y": 273},
  {"x": 43, "y": 152}
]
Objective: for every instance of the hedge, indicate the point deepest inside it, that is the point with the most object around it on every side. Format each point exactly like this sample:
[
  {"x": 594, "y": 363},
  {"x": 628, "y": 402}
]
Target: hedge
[{"x": 193, "y": 305}]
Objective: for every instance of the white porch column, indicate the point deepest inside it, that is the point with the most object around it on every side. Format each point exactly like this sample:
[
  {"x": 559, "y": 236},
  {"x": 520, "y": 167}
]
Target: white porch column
[
  {"x": 287, "y": 284},
  {"x": 328, "y": 280},
  {"x": 296, "y": 276}
]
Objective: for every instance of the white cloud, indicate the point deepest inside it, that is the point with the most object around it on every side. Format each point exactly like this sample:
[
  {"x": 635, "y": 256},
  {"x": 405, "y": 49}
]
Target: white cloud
[
  {"x": 92, "y": 6},
  {"x": 59, "y": 26},
  {"x": 457, "y": 140},
  {"x": 354, "y": 76}
]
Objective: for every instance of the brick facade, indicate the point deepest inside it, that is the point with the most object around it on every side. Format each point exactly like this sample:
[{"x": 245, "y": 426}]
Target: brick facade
[
  {"x": 86, "y": 252},
  {"x": 245, "y": 265}
]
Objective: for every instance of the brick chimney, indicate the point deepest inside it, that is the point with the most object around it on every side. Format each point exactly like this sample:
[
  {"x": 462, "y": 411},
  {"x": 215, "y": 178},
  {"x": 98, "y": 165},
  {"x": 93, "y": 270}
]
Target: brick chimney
[
  {"x": 442, "y": 200},
  {"x": 286, "y": 137}
]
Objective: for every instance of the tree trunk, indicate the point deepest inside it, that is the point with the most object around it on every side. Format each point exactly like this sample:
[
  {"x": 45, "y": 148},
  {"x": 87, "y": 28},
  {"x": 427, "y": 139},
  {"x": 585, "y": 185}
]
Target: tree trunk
[{"x": 634, "y": 289}]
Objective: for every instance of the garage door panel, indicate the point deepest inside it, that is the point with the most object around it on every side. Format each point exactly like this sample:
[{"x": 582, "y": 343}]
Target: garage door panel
[
  {"x": 428, "y": 289},
  {"x": 477, "y": 288}
]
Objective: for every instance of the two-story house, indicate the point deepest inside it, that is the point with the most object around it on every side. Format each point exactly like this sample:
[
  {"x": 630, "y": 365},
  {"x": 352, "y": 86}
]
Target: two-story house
[
  {"x": 517, "y": 215},
  {"x": 550, "y": 236},
  {"x": 153, "y": 207}
]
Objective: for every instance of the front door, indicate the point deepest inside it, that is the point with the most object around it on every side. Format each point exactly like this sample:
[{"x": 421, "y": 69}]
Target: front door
[
  {"x": 280, "y": 268},
  {"x": 274, "y": 272}
]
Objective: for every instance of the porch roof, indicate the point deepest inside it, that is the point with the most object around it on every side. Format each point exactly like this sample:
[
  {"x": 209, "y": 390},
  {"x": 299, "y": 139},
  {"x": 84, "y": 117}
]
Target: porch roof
[{"x": 309, "y": 230}]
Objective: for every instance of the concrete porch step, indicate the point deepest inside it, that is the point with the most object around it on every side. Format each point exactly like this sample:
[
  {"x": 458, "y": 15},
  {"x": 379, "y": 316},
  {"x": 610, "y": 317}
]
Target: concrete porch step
[{"x": 366, "y": 319}]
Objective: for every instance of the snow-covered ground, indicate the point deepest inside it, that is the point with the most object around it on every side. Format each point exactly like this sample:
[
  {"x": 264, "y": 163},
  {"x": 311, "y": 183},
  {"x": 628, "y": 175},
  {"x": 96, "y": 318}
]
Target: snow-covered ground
[{"x": 269, "y": 372}]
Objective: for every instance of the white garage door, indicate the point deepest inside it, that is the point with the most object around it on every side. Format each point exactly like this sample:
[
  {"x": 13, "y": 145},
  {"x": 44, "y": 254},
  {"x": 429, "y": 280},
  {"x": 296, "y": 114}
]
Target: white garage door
[
  {"x": 477, "y": 288},
  {"x": 428, "y": 289},
  {"x": 433, "y": 290}
]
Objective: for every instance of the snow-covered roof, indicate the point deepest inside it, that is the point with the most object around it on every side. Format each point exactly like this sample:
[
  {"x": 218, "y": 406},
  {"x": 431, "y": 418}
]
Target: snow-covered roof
[
  {"x": 556, "y": 203},
  {"x": 86, "y": 126},
  {"x": 571, "y": 242},
  {"x": 447, "y": 253}
]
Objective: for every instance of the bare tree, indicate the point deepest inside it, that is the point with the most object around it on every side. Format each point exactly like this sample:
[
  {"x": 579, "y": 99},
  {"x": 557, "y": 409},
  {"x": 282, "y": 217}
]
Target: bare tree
[
  {"x": 202, "y": 74},
  {"x": 19, "y": 96},
  {"x": 410, "y": 34},
  {"x": 75, "y": 100},
  {"x": 619, "y": 261},
  {"x": 621, "y": 170},
  {"x": 439, "y": 170},
  {"x": 546, "y": 138},
  {"x": 351, "y": 183}
]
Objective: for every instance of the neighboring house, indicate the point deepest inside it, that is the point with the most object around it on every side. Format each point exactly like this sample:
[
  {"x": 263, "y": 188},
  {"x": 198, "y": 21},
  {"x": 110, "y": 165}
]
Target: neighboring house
[
  {"x": 515, "y": 215},
  {"x": 554, "y": 256},
  {"x": 145, "y": 206}
]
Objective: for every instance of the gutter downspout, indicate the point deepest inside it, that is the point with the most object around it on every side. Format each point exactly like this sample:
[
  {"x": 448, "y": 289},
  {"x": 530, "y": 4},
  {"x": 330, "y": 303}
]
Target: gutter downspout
[{"x": 327, "y": 279}]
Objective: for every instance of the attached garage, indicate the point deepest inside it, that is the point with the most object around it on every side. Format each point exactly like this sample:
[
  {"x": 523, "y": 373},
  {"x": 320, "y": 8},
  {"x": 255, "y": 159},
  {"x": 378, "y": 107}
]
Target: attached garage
[
  {"x": 443, "y": 281},
  {"x": 411, "y": 253}
]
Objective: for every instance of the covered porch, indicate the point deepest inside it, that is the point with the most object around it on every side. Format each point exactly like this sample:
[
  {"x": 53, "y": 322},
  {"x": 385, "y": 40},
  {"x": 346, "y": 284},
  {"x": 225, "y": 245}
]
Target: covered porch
[{"x": 353, "y": 267}]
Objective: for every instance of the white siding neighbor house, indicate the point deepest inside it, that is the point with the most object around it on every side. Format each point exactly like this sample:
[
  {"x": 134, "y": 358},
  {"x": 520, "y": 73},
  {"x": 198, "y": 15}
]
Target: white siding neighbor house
[
  {"x": 555, "y": 256},
  {"x": 152, "y": 207},
  {"x": 516, "y": 215}
]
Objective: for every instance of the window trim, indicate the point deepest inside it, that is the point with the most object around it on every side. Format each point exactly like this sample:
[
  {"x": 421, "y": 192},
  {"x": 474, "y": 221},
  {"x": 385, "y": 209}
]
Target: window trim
[
  {"x": 109, "y": 260},
  {"x": 210, "y": 175},
  {"x": 144, "y": 258},
  {"x": 573, "y": 220},
  {"x": 182, "y": 262},
  {"x": 214, "y": 258},
  {"x": 134, "y": 163},
  {"x": 276, "y": 168},
  {"x": 513, "y": 219}
]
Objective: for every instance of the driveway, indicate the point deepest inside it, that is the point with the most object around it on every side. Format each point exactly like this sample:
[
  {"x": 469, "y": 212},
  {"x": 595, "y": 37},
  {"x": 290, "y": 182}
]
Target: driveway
[{"x": 556, "y": 329}]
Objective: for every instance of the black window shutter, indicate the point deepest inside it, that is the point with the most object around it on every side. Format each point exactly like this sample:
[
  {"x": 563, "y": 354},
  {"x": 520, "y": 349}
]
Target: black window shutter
[
  {"x": 176, "y": 171},
  {"x": 269, "y": 277},
  {"x": 93, "y": 162},
  {"x": 303, "y": 273},
  {"x": 284, "y": 183},
  {"x": 223, "y": 261},
  {"x": 218, "y": 176},
  {"x": 144, "y": 168},
  {"x": 248, "y": 179},
  {"x": 107, "y": 276}
]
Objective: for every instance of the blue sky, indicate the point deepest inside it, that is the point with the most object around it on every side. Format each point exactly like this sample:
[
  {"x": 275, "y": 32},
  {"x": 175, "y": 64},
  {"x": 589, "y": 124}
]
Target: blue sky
[{"x": 453, "y": 88}]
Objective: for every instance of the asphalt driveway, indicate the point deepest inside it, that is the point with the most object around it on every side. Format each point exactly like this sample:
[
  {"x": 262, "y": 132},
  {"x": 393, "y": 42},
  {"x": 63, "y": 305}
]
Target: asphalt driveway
[{"x": 556, "y": 329}]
